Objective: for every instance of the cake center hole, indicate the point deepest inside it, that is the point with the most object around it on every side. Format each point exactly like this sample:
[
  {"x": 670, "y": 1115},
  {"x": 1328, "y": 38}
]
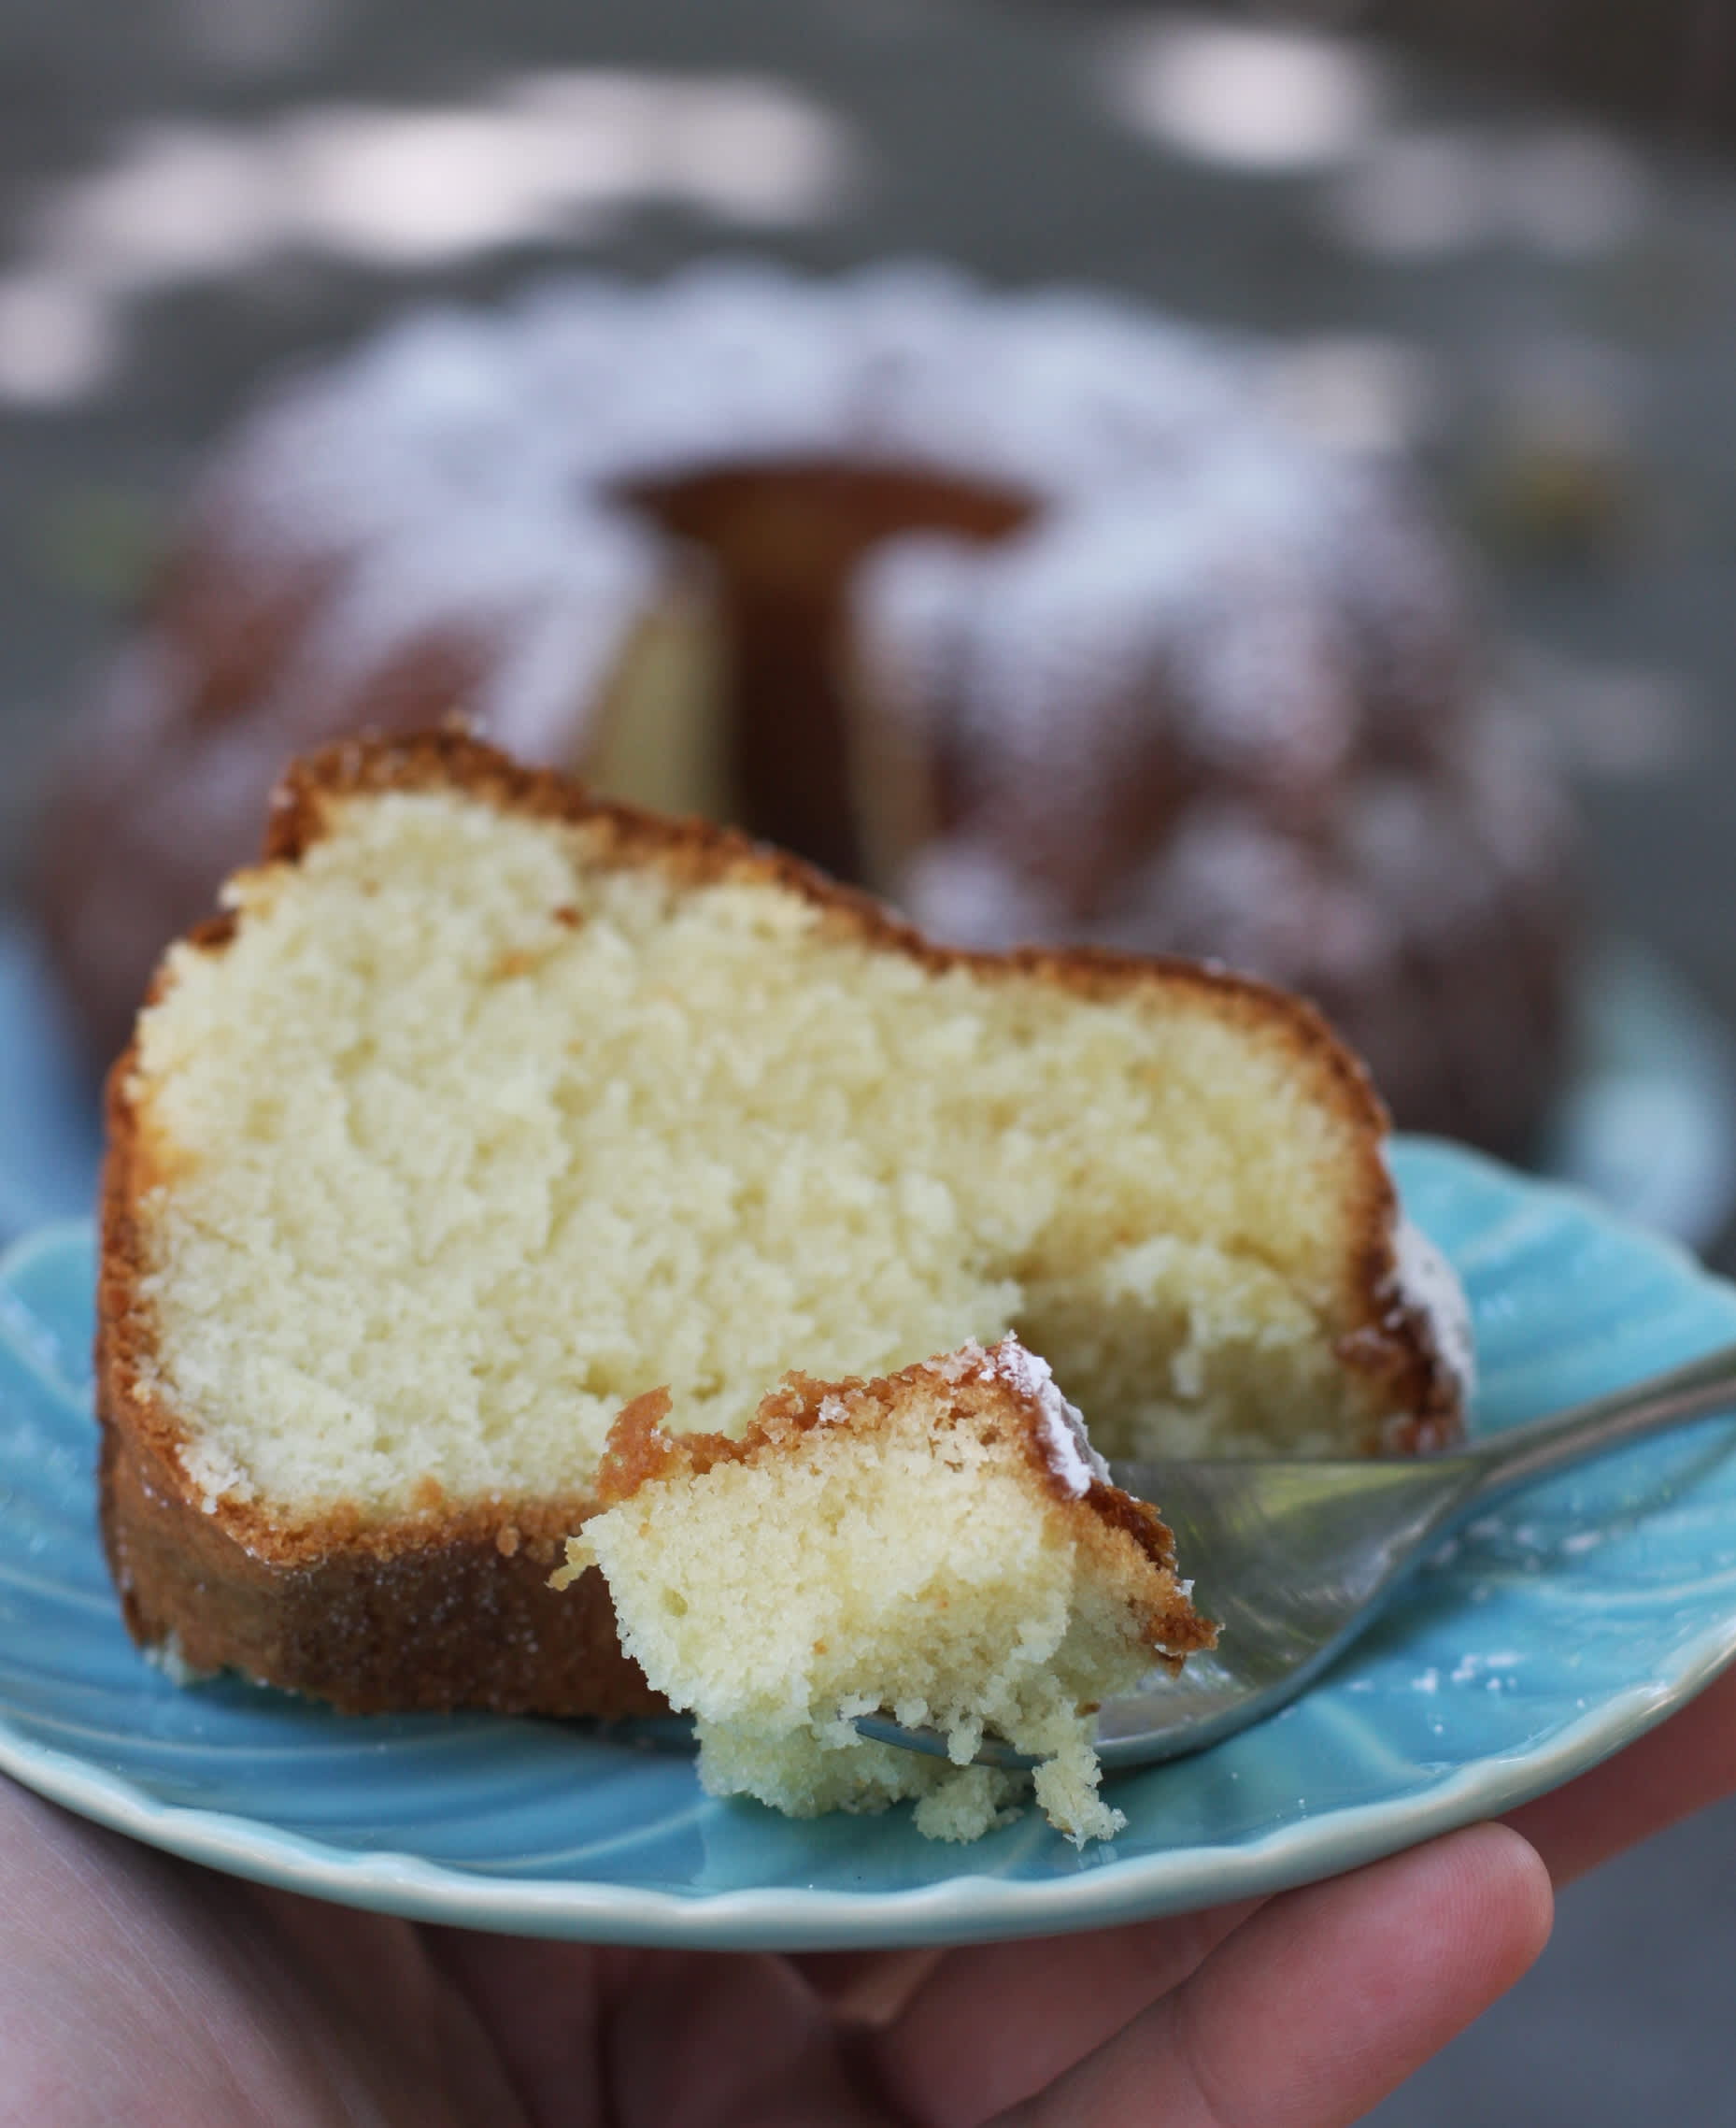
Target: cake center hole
[{"x": 786, "y": 740}]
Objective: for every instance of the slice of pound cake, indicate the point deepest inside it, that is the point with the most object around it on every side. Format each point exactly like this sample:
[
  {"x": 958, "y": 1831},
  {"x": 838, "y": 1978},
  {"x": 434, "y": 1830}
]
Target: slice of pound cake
[
  {"x": 485, "y": 1108},
  {"x": 943, "y": 1544}
]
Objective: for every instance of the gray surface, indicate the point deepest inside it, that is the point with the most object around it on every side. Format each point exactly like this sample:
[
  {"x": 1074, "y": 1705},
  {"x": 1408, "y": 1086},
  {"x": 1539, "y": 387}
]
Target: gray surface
[
  {"x": 982, "y": 133},
  {"x": 1626, "y": 2017}
]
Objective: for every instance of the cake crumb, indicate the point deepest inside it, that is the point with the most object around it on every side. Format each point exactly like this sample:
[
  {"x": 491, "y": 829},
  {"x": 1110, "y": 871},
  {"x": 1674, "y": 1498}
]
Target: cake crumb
[{"x": 906, "y": 1544}]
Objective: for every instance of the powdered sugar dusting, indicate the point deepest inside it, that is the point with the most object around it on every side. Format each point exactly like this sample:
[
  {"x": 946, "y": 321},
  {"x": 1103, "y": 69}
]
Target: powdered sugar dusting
[
  {"x": 1065, "y": 1442},
  {"x": 955, "y": 1367},
  {"x": 1428, "y": 1283},
  {"x": 475, "y": 459},
  {"x": 1204, "y": 596}
]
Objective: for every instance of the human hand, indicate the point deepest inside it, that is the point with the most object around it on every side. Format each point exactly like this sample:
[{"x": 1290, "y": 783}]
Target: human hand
[{"x": 137, "y": 1988}]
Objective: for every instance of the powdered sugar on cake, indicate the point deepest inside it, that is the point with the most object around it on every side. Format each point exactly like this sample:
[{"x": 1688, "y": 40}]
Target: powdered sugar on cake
[
  {"x": 1189, "y": 547},
  {"x": 1429, "y": 1284},
  {"x": 1066, "y": 1446},
  {"x": 1202, "y": 688},
  {"x": 479, "y": 460}
]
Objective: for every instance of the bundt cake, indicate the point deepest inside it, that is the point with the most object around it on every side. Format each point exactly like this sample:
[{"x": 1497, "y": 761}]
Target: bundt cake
[
  {"x": 944, "y": 1544},
  {"x": 486, "y": 1107},
  {"x": 1028, "y": 611}
]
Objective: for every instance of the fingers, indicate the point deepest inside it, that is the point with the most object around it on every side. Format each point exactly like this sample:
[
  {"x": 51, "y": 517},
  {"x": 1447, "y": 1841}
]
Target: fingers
[
  {"x": 113, "y": 1992},
  {"x": 1679, "y": 1768},
  {"x": 542, "y": 2005},
  {"x": 994, "y": 2024},
  {"x": 133, "y": 1987},
  {"x": 708, "y": 2039},
  {"x": 1325, "y": 2000},
  {"x": 865, "y": 1987}
]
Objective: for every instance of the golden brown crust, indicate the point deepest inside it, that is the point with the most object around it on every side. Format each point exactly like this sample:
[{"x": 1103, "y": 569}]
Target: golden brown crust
[
  {"x": 460, "y": 1620},
  {"x": 210, "y": 1578},
  {"x": 1128, "y": 1536}
]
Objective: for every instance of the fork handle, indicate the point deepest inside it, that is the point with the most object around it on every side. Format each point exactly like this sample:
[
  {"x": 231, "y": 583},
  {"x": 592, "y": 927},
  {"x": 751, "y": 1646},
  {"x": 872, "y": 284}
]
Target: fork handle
[{"x": 1695, "y": 1389}]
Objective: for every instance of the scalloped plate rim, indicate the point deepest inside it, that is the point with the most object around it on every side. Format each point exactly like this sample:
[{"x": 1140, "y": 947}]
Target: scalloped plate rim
[{"x": 803, "y": 1919}]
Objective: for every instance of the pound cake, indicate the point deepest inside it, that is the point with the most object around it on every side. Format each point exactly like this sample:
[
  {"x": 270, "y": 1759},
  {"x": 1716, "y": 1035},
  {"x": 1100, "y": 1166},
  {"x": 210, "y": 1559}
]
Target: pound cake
[
  {"x": 944, "y": 1544},
  {"x": 1029, "y": 611},
  {"x": 486, "y": 1107}
]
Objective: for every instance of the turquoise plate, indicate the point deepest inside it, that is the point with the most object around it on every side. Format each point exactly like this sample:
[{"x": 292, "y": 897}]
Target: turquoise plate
[{"x": 1549, "y": 1636}]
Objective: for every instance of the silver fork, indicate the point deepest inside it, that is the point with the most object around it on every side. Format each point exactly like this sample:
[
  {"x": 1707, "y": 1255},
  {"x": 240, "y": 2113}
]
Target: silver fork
[{"x": 1294, "y": 1560}]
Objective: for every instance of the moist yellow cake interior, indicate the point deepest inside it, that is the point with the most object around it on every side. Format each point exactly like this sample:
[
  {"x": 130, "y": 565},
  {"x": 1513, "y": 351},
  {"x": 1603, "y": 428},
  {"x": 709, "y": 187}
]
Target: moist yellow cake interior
[
  {"x": 466, "y": 1138},
  {"x": 900, "y": 1555}
]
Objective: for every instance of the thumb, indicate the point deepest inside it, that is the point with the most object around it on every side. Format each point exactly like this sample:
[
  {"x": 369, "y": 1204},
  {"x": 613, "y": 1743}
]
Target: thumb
[{"x": 1326, "y": 1999}]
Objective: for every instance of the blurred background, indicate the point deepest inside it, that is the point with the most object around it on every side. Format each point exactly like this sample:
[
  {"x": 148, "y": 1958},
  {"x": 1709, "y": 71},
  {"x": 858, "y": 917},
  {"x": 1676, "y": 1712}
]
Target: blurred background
[{"x": 1499, "y": 237}]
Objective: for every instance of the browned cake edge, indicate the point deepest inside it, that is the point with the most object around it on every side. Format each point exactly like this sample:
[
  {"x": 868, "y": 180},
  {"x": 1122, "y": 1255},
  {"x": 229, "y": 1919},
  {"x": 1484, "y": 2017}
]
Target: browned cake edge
[
  {"x": 448, "y": 1606},
  {"x": 1127, "y": 1537}
]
